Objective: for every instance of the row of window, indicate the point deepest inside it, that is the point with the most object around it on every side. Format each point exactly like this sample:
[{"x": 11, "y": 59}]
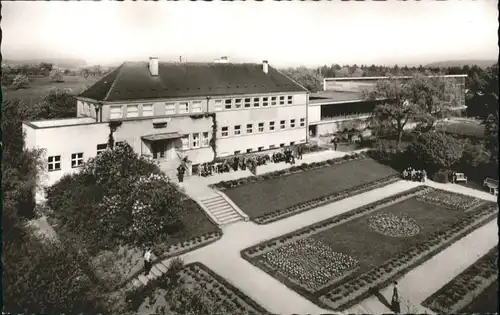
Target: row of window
[
  {"x": 196, "y": 140},
  {"x": 54, "y": 162},
  {"x": 249, "y": 102},
  {"x": 271, "y": 126},
  {"x": 272, "y": 146},
  {"x": 172, "y": 108}
]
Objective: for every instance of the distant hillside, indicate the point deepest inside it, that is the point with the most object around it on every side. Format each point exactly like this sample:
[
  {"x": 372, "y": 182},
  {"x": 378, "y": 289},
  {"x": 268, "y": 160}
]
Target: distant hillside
[
  {"x": 58, "y": 62},
  {"x": 461, "y": 63}
]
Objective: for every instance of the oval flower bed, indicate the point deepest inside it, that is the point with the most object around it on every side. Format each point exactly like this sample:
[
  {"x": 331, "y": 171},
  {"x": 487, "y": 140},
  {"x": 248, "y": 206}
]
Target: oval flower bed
[
  {"x": 310, "y": 263},
  {"x": 450, "y": 200},
  {"x": 393, "y": 225}
]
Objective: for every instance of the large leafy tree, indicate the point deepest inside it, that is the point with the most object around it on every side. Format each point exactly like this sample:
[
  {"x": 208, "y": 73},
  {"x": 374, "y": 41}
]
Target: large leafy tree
[
  {"x": 44, "y": 277},
  {"x": 435, "y": 151},
  {"x": 482, "y": 96},
  {"x": 116, "y": 198},
  {"x": 434, "y": 96},
  {"x": 396, "y": 109}
]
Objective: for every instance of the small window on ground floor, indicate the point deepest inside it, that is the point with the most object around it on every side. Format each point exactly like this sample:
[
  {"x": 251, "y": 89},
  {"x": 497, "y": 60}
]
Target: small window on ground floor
[
  {"x": 195, "y": 140},
  {"x": 282, "y": 145},
  {"x": 249, "y": 150},
  {"x": 292, "y": 143},
  {"x": 54, "y": 163},
  {"x": 261, "y": 148},
  {"x": 76, "y": 159}
]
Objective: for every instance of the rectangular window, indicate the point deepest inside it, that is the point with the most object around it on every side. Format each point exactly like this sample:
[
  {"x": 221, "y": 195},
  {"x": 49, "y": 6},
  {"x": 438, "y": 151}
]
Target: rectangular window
[
  {"x": 282, "y": 100},
  {"x": 282, "y": 145},
  {"x": 256, "y": 102},
  {"x": 272, "y": 146},
  {"x": 265, "y": 101},
  {"x": 271, "y": 125},
  {"x": 206, "y": 139},
  {"x": 195, "y": 140},
  {"x": 196, "y": 107},
  {"x": 185, "y": 142},
  {"x": 218, "y": 105},
  {"x": 76, "y": 159},
  {"x": 237, "y": 129},
  {"x": 237, "y": 103},
  {"x": 289, "y": 100},
  {"x": 132, "y": 111},
  {"x": 261, "y": 127},
  {"x": 282, "y": 124},
  {"x": 147, "y": 110},
  {"x": 292, "y": 143},
  {"x": 115, "y": 112},
  {"x": 248, "y": 101},
  {"x": 169, "y": 108},
  {"x": 273, "y": 101},
  {"x": 101, "y": 148},
  {"x": 292, "y": 123},
  {"x": 237, "y": 152},
  {"x": 224, "y": 131},
  {"x": 228, "y": 104},
  {"x": 302, "y": 122},
  {"x": 249, "y": 150},
  {"x": 159, "y": 125},
  {"x": 249, "y": 128},
  {"x": 183, "y": 107},
  {"x": 54, "y": 163},
  {"x": 260, "y": 148}
]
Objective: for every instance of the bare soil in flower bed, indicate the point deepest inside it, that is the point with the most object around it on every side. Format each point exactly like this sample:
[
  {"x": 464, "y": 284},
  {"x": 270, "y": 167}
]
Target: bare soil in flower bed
[
  {"x": 344, "y": 256},
  {"x": 485, "y": 303},
  {"x": 198, "y": 278},
  {"x": 116, "y": 267},
  {"x": 463, "y": 291},
  {"x": 274, "y": 195}
]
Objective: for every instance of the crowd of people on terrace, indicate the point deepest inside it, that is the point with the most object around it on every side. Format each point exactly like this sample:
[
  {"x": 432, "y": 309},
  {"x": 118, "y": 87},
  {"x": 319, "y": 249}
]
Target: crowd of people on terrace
[{"x": 243, "y": 162}]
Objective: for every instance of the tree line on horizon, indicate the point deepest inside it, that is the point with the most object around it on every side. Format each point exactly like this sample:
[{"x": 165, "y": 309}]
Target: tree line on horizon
[{"x": 312, "y": 78}]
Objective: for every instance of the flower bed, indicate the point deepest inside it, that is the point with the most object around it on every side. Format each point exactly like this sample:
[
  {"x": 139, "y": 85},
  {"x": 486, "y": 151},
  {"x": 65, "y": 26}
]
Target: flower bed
[
  {"x": 310, "y": 263},
  {"x": 451, "y": 200},
  {"x": 277, "y": 195},
  {"x": 383, "y": 275},
  {"x": 214, "y": 292},
  {"x": 381, "y": 258},
  {"x": 461, "y": 291},
  {"x": 393, "y": 225}
]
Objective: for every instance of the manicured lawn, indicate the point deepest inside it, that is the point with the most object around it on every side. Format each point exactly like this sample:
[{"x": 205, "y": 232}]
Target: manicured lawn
[
  {"x": 318, "y": 260},
  {"x": 471, "y": 129},
  {"x": 263, "y": 197},
  {"x": 486, "y": 302}
]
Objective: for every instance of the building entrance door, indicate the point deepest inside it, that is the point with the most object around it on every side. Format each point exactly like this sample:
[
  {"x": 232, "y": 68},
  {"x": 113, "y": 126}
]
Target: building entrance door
[{"x": 163, "y": 149}]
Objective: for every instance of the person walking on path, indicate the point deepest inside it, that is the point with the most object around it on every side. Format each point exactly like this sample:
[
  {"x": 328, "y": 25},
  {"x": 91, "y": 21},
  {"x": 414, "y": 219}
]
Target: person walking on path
[
  {"x": 396, "y": 307},
  {"x": 148, "y": 261},
  {"x": 335, "y": 143}
]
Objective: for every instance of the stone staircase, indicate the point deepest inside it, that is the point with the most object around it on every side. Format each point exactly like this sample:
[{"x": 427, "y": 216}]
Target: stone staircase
[
  {"x": 170, "y": 169},
  {"x": 221, "y": 209}
]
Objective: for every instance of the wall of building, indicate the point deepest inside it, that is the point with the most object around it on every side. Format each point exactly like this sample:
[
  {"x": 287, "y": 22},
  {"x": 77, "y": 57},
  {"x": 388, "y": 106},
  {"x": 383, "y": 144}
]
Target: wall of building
[{"x": 314, "y": 113}]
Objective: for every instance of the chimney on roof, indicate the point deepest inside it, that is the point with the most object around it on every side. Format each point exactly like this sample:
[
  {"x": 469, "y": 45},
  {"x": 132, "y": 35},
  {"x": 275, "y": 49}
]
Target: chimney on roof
[
  {"x": 153, "y": 66},
  {"x": 265, "y": 66}
]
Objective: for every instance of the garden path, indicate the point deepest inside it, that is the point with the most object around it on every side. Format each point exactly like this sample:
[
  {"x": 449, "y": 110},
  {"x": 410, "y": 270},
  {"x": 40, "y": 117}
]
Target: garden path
[
  {"x": 424, "y": 280},
  {"x": 224, "y": 257}
]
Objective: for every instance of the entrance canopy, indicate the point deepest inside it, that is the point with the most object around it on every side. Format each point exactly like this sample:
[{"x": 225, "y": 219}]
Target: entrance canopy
[{"x": 163, "y": 136}]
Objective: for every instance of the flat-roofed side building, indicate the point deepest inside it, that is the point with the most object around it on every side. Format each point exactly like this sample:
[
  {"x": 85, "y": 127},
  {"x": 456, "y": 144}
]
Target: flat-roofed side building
[{"x": 342, "y": 102}]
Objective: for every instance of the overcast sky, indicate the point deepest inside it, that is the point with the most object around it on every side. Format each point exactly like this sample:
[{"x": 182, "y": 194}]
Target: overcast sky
[{"x": 285, "y": 33}]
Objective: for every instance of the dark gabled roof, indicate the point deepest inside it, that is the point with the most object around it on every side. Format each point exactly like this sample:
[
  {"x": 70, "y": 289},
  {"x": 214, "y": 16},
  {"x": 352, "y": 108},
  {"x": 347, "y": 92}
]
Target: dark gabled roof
[{"x": 133, "y": 81}]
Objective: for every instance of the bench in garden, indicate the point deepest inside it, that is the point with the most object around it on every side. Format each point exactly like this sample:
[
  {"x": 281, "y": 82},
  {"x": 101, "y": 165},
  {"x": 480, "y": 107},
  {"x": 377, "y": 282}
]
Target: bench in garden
[
  {"x": 492, "y": 184},
  {"x": 460, "y": 177}
]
